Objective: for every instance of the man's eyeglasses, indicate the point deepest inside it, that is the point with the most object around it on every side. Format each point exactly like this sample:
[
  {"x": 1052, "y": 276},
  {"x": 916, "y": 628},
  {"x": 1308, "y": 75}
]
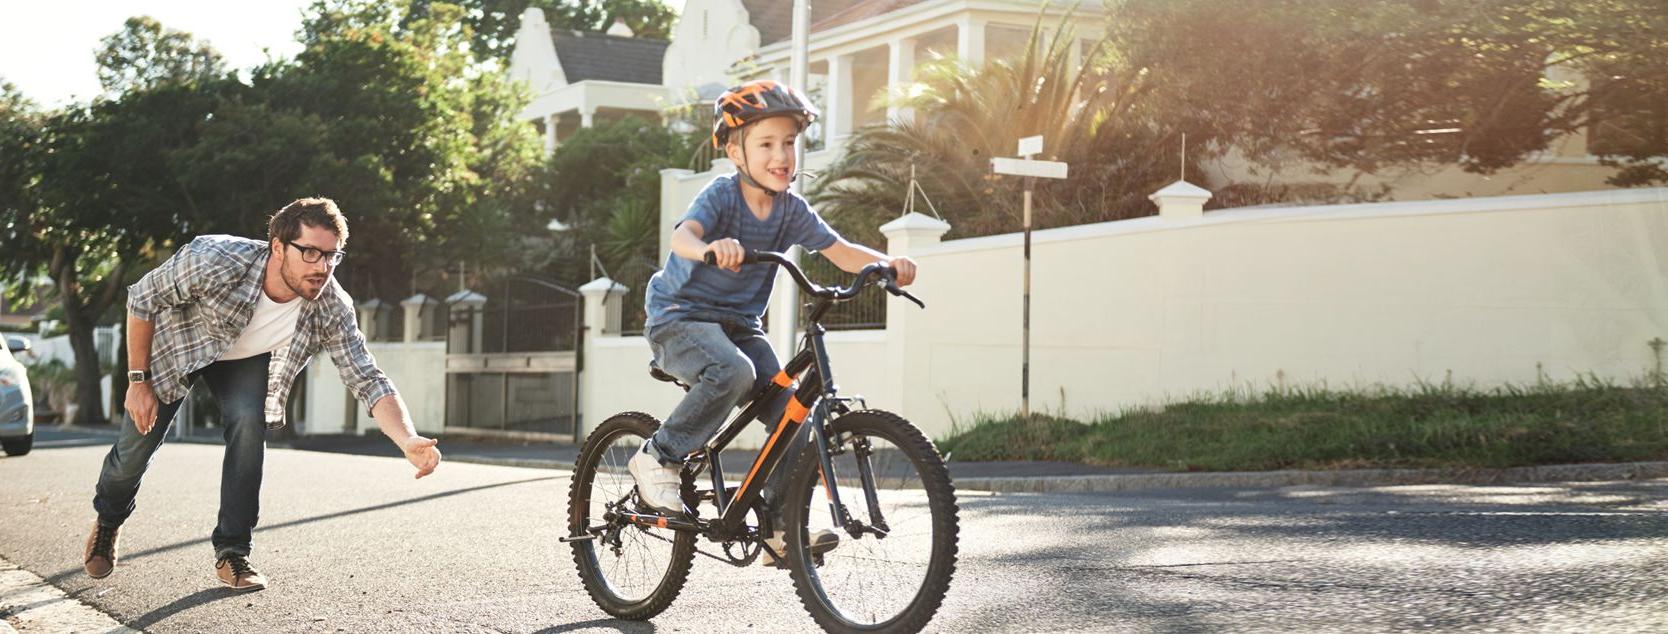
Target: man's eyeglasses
[{"x": 311, "y": 255}]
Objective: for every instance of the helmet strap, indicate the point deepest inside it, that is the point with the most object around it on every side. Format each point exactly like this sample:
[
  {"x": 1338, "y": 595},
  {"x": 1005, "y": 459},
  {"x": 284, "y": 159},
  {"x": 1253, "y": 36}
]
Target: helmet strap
[{"x": 747, "y": 177}]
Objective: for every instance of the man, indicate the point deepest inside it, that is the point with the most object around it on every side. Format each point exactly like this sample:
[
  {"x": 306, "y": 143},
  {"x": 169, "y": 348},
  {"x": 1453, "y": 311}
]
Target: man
[{"x": 245, "y": 316}]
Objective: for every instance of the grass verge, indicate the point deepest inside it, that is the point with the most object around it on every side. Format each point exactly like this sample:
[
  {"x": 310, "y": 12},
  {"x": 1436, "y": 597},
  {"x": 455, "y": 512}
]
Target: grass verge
[{"x": 1429, "y": 426}]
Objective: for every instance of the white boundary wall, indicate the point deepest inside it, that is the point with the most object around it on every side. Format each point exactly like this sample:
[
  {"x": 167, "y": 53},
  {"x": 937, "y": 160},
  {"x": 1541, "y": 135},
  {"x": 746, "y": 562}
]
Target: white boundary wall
[
  {"x": 418, "y": 370},
  {"x": 1140, "y": 312}
]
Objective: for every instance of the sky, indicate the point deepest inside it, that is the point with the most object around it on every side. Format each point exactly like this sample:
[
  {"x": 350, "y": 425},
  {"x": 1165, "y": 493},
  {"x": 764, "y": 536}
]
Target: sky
[{"x": 47, "y": 46}]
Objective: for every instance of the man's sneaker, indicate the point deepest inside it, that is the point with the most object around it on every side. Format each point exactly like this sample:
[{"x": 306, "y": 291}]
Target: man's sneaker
[
  {"x": 776, "y": 547},
  {"x": 657, "y": 484},
  {"x": 100, "y": 558},
  {"x": 236, "y": 573}
]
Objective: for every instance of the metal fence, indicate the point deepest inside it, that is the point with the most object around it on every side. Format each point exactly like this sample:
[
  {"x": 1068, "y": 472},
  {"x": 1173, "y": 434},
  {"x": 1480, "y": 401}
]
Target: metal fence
[
  {"x": 530, "y": 328},
  {"x": 867, "y": 312},
  {"x": 521, "y": 314},
  {"x": 634, "y": 275}
]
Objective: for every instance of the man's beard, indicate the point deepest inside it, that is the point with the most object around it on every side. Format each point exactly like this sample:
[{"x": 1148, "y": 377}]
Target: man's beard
[{"x": 298, "y": 284}]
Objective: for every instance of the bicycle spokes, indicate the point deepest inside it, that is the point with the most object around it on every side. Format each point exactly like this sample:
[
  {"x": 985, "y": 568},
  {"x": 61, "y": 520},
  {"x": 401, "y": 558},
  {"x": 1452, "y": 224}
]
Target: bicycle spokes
[{"x": 898, "y": 518}]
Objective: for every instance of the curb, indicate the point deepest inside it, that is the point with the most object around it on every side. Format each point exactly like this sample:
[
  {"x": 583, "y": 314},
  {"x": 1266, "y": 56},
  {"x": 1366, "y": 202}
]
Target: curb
[
  {"x": 1113, "y": 483},
  {"x": 36, "y": 605},
  {"x": 1349, "y": 478}
]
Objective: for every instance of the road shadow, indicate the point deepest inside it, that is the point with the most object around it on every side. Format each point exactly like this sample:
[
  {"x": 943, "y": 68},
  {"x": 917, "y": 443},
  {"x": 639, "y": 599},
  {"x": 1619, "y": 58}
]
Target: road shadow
[
  {"x": 630, "y": 627},
  {"x": 1449, "y": 520},
  {"x": 200, "y": 597},
  {"x": 61, "y": 576}
]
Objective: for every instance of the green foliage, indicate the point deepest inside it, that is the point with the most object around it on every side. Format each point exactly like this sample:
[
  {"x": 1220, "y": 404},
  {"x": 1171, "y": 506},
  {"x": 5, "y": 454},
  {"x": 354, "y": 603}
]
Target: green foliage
[
  {"x": 1426, "y": 426},
  {"x": 604, "y": 184},
  {"x": 385, "y": 111},
  {"x": 965, "y": 116},
  {"x": 393, "y": 117},
  {"x": 52, "y": 381},
  {"x": 22, "y": 128},
  {"x": 144, "y": 55},
  {"x": 1356, "y": 88},
  {"x": 1370, "y": 87},
  {"x": 493, "y": 23}
]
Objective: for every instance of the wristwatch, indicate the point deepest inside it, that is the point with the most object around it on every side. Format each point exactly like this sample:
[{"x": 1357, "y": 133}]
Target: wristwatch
[{"x": 138, "y": 376}]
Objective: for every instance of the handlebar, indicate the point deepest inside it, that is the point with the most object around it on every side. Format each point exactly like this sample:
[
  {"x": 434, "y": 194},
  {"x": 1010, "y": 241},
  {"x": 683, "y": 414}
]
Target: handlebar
[{"x": 834, "y": 294}]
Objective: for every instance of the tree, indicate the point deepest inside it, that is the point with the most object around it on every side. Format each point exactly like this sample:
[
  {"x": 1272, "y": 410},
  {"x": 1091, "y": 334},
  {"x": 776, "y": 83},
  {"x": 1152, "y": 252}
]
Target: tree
[
  {"x": 21, "y": 129},
  {"x": 87, "y": 196},
  {"x": 494, "y": 22},
  {"x": 604, "y": 184},
  {"x": 145, "y": 55},
  {"x": 400, "y": 124},
  {"x": 418, "y": 141},
  {"x": 1368, "y": 87}
]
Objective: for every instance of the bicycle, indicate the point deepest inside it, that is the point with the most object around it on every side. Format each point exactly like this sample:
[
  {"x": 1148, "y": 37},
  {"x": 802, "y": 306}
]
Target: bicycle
[{"x": 889, "y": 498}]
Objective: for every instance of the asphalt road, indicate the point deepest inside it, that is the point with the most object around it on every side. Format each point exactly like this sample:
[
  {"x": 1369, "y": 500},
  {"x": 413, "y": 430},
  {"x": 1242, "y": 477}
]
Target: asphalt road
[{"x": 353, "y": 543}]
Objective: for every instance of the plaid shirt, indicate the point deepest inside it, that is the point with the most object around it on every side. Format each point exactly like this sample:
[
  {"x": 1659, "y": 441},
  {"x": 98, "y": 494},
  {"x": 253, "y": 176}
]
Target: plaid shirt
[{"x": 203, "y": 297}]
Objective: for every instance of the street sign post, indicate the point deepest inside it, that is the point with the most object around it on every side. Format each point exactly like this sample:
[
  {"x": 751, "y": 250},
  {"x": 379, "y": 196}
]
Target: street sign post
[{"x": 1031, "y": 169}]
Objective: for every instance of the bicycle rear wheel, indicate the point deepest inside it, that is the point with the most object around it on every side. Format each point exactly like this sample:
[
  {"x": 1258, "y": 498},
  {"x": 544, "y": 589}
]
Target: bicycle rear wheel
[
  {"x": 631, "y": 571},
  {"x": 892, "y": 578}
]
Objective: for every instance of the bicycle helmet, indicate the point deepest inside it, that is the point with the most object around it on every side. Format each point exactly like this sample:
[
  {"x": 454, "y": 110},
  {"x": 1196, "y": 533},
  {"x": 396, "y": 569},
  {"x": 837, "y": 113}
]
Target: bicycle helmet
[{"x": 754, "y": 101}]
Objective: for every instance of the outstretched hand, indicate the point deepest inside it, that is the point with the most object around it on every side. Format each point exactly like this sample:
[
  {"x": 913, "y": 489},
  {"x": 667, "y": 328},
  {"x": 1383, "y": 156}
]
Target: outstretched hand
[{"x": 421, "y": 452}]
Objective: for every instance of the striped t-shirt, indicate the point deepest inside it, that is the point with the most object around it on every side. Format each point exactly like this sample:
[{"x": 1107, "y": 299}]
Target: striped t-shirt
[{"x": 686, "y": 288}]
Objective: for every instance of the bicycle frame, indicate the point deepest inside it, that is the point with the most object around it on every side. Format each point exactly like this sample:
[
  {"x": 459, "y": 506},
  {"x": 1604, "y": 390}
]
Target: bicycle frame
[
  {"x": 809, "y": 407},
  {"x": 813, "y": 400}
]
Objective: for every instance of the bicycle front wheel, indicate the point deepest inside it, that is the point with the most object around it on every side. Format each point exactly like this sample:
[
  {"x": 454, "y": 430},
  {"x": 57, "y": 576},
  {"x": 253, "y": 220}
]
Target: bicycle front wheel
[
  {"x": 891, "y": 575},
  {"x": 631, "y": 571}
]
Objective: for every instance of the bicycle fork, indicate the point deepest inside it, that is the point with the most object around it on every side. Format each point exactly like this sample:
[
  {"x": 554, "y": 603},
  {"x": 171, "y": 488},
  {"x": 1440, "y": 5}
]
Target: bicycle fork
[{"x": 830, "y": 480}]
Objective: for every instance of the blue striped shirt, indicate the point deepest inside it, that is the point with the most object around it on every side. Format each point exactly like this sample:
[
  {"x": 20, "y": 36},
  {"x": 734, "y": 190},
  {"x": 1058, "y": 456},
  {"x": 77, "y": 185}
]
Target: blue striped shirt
[{"x": 687, "y": 288}]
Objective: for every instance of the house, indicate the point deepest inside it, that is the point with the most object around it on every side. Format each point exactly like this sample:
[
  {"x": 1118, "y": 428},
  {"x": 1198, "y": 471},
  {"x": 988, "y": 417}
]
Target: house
[
  {"x": 861, "y": 49},
  {"x": 578, "y": 77}
]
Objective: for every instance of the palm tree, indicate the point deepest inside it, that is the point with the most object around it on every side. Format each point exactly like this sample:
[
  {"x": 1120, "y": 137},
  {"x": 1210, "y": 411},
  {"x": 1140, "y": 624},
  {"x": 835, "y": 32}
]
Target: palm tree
[{"x": 1087, "y": 114}]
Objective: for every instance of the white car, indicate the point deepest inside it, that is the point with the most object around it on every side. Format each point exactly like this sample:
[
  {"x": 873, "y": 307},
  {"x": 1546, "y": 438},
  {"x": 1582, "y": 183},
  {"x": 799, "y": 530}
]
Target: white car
[{"x": 17, "y": 404}]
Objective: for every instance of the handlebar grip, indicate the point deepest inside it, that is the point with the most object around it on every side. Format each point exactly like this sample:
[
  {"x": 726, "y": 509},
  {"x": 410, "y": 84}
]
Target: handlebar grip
[{"x": 748, "y": 256}]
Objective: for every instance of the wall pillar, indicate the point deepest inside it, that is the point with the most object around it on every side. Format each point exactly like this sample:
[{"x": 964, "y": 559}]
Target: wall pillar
[
  {"x": 464, "y": 334},
  {"x": 900, "y": 72},
  {"x": 906, "y": 366},
  {"x": 1181, "y": 201}
]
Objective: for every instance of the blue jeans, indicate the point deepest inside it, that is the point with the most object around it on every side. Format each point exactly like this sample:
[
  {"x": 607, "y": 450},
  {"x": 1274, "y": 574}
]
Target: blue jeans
[
  {"x": 240, "y": 389},
  {"x": 724, "y": 364}
]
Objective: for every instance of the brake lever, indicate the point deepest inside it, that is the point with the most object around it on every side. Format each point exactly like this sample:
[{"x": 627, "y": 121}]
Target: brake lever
[{"x": 893, "y": 289}]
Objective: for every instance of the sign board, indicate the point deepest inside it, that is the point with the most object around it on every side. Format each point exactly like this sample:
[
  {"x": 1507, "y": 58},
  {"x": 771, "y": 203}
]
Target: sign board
[
  {"x": 1028, "y": 167},
  {"x": 1030, "y": 146}
]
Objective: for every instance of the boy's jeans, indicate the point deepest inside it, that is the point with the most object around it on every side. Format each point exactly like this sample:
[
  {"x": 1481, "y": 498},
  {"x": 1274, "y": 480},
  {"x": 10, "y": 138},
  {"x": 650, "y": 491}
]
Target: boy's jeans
[
  {"x": 240, "y": 389},
  {"x": 723, "y": 364}
]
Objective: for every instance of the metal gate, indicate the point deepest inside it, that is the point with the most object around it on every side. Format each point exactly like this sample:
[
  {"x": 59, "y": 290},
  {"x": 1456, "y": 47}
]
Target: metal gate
[{"x": 512, "y": 361}]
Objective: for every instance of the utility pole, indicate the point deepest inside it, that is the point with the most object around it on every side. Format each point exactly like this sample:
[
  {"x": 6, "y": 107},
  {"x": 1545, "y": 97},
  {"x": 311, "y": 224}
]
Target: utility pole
[
  {"x": 1031, "y": 169},
  {"x": 784, "y": 317}
]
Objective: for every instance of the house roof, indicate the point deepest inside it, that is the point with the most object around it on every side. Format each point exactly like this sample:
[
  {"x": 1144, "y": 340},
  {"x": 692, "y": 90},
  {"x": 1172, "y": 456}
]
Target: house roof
[
  {"x": 591, "y": 55},
  {"x": 859, "y": 11},
  {"x": 774, "y": 18}
]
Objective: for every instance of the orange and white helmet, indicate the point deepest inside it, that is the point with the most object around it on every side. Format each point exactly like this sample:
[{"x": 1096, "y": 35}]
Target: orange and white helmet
[{"x": 754, "y": 101}]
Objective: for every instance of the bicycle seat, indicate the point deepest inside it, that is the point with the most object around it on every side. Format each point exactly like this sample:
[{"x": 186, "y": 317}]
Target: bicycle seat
[{"x": 661, "y": 375}]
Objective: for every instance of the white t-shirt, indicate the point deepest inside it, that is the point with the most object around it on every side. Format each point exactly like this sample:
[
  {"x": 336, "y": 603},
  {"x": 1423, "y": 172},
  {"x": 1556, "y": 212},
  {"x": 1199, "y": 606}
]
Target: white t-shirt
[{"x": 271, "y": 328}]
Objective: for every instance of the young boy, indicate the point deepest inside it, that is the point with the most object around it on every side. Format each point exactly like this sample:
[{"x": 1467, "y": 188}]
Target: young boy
[{"x": 704, "y": 320}]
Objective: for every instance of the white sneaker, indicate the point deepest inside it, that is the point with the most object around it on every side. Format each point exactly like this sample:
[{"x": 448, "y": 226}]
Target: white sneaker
[
  {"x": 657, "y": 485},
  {"x": 821, "y": 542}
]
